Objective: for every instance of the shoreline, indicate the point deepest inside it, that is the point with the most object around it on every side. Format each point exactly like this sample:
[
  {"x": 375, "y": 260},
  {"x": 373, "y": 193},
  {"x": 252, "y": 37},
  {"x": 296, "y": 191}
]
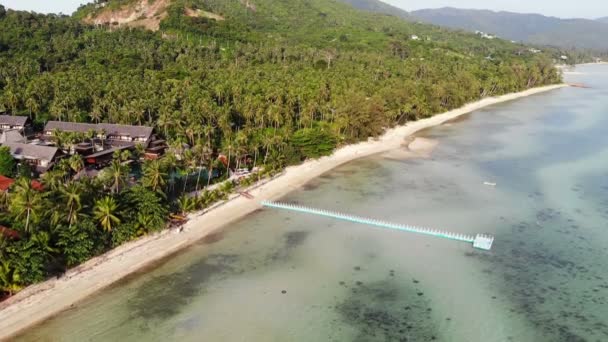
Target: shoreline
[{"x": 41, "y": 301}]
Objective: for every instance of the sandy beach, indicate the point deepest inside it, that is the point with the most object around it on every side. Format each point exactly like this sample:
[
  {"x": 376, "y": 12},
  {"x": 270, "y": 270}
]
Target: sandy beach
[{"x": 41, "y": 301}]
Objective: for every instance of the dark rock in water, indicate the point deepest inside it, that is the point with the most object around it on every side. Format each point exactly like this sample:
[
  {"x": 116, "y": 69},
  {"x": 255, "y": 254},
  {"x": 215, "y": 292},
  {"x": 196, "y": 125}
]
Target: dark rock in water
[
  {"x": 359, "y": 283},
  {"x": 420, "y": 293},
  {"x": 377, "y": 313},
  {"x": 357, "y": 268},
  {"x": 153, "y": 301},
  {"x": 295, "y": 239},
  {"x": 283, "y": 292},
  {"x": 341, "y": 283},
  {"x": 416, "y": 281}
]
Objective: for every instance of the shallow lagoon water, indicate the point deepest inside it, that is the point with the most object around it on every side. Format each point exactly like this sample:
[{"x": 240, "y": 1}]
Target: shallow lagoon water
[{"x": 282, "y": 276}]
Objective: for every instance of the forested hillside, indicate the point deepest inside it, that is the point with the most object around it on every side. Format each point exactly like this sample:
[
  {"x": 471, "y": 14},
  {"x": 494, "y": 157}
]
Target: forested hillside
[
  {"x": 299, "y": 61},
  {"x": 529, "y": 28},
  {"x": 279, "y": 81},
  {"x": 378, "y": 7}
]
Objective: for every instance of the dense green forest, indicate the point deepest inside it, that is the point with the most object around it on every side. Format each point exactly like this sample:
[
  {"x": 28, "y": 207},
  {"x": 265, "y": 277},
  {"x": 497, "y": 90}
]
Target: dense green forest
[{"x": 280, "y": 81}]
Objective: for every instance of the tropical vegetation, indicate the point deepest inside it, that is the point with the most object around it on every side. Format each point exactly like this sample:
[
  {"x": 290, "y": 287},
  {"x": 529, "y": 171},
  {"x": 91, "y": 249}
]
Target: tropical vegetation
[{"x": 269, "y": 84}]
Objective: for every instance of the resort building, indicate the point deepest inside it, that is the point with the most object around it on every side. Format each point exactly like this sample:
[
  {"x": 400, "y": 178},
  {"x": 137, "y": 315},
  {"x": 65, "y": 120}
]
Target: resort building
[
  {"x": 5, "y": 184},
  {"x": 21, "y": 124},
  {"x": 12, "y": 136},
  {"x": 102, "y": 140},
  {"x": 41, "y": 158},
  {"x": 110, "y": 133}
]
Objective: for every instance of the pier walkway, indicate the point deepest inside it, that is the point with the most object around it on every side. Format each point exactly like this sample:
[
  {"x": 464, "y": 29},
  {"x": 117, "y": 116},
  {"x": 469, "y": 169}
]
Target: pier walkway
[{"x": 480, "y": 241}]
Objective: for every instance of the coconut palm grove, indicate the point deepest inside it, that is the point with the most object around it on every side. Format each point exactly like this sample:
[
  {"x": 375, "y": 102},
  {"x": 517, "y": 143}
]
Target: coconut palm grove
[{"x": 235, "y": 91}]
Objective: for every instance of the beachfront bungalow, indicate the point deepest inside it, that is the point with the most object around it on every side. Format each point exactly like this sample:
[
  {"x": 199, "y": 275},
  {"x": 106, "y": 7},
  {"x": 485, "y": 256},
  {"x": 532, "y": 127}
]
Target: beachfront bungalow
[
  {"x": 111, "y": 134},
  {"x": 39, "y": 157},
  {"x": 22, "y": 124}
]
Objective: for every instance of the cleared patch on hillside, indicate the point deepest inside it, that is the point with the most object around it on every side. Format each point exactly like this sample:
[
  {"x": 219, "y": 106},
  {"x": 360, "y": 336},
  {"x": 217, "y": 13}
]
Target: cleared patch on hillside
[
  {"x": 250, "y": 5},
  {"x": 142, "y": 13},
  {"x": 203, "y": 14}
]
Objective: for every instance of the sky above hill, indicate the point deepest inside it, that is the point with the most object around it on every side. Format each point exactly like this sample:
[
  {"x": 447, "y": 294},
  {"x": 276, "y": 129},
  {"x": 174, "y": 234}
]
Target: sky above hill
[
  {"x": 44, "y": 6},
  {"x": 563, "y": 9}
]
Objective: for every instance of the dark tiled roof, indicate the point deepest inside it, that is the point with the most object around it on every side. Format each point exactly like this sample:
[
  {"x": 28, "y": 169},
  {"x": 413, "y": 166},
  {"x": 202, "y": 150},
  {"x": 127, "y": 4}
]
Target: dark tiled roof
[
  {"x": 32, "y": 151},
  {"x": 69, "y": 126},
  {"x": 110, "y": 129},
  {"x": 109, "y": 151},
  {"x": 13, "y": 120},
  {"x": 11, "y": 136},
  {"x": 133, "y": 131}
]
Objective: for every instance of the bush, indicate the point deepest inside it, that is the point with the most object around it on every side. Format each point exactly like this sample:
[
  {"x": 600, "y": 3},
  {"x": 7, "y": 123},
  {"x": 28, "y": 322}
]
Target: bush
[{"x": 314, "y": 142}]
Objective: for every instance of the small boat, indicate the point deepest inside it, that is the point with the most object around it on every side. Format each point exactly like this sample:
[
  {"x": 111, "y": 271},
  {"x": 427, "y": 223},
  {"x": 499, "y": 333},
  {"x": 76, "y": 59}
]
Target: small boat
[
  {"x": 246, "y": 195},
  {"x": 489, "y": 184}
]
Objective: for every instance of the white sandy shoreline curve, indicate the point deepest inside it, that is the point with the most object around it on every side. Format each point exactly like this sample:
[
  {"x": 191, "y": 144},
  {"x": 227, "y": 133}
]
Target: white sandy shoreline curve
[{"x": 41, "y": 301}]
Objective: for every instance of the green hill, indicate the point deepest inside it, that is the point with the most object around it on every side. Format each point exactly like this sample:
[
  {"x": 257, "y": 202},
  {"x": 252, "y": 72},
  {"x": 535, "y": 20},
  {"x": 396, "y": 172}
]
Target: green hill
[
  {"x": 378, "y": 7},
  {"x": 248, "y": 56},
  {"x": 529, "y": 28}
]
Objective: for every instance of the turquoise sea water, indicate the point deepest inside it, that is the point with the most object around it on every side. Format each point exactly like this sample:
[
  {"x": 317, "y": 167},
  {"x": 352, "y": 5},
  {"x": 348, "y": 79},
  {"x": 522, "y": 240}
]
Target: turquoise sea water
[{"x": 282, "y": 276}]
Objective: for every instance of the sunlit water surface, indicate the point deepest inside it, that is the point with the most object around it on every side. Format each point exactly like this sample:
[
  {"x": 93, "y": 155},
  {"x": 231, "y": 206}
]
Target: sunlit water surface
[{"x": 281, "y": 276}]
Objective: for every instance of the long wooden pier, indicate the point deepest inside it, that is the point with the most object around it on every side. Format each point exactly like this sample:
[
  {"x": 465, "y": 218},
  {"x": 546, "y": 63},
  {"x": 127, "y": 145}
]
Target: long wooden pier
[{"x": 480, "y": 241}]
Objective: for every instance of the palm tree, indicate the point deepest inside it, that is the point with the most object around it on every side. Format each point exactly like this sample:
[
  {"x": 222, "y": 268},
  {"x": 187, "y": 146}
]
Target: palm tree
[
  {"x": 9, "y": 278},
  {"x": 71, "y": 194},
  {"x": 169, "y": 163},
  {"x": 26, "y": 203},
  {"x": 32, "y": 106},
  {"x": 267, "y": 142},
  {"x": 186, "y": 204},
  {"x": 118, "y": 174},
  {"x": 154, "y": 177},
  {"x": 101, "y": 134},
  {"x": 105, "y": 212},
  {"x": 4, "y": 200},
  {"x": 189, "y": 160},
  {"x": 76, "y": 163},
  {"x": 203, "y": 153},
  {"x": 125, "y": 155},
  {"x": 53, "y": 179}
]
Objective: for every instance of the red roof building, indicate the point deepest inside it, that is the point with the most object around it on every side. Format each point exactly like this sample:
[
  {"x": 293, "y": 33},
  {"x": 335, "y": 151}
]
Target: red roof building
[
  {"x": 9, "y": 233},
  {"x": 5, "y": 183}
]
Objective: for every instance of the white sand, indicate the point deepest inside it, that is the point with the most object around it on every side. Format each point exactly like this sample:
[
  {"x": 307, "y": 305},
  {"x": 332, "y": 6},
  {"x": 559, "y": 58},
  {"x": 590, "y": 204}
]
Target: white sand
[{"x": 41, "y": 301}]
